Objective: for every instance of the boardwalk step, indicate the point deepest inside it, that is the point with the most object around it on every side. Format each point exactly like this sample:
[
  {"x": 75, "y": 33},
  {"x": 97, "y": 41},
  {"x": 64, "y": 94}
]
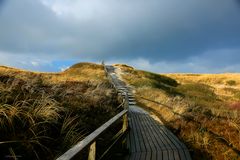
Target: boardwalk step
[
  {"x": 131, "y": 100},
  {"x": 132, "y": 103},
  {"x": 122, "y": 89}
]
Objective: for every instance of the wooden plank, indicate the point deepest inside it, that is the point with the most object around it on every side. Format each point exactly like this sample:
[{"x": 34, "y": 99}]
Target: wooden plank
[
  {"x": 187, "y": 154},
  {"x": 144, "y": 141},
  {"x": 154, "y": 156},
  {"x": 144, "y": 135},
  {"x": 176, "y": 155},
  {"x": 160, "y": 138},
  {"x": 135, "y": 134},
  {"x": 159, "y": 155},
  {"x": 181, "y": 154},
  {"x": 150, "y": 135},
  {"x": 131, "y": 135},
  {"x": 137, "y": 156},
  {"x": 165, "y": 139},
  {"x": 143, "y": 156},
  {"x": 173, "y": 139},
  {"x": 138, "y": 133},
  {"x": 148, "y": 155},
  {"x": 90, "y": 138},
  {"x": 153, "y": 136},
  {"x": 179, "y": 147},
  {"x": 177, "y": 140},
  {"x": 170, "y": 155},
  {"x": 165, "y": 155}
]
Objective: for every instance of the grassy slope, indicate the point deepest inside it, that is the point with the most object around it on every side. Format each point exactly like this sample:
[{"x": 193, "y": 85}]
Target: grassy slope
[
  {"x": 43, "y": 114},
  {"x": 202, "y": 110}
]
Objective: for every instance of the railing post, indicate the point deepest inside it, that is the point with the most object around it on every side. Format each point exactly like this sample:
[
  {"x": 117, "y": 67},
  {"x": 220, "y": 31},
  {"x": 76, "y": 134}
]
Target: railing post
[
  {"x": 92, "y": 151},
  {"x": 124, "y": 129},
  {"x": 126, "y": 104},
  {"x": 125, "y": 117},
  {"x": 125, "y": 123}
]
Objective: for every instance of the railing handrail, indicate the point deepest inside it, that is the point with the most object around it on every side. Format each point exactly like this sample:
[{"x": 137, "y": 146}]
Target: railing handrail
[{"x": 91, "y": 138}]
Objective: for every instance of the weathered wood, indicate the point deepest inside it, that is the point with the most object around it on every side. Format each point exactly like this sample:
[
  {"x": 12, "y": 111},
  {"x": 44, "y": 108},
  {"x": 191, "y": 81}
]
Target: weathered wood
[
  {"x": 92, "y": 151},
  {"x": 176, "y": 155},
  {"x": 187, "y": 155},
  {"x": 152, "y": 139},
  {"x": 90, "y": 138},
  {"x": 132, "y": 103},
  {"x": 126, "y": 105},
  {"x": 125, "y": 123}
]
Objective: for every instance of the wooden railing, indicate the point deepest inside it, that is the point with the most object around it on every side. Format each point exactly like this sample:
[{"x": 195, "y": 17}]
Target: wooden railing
[{"x": 90, "y": 140}]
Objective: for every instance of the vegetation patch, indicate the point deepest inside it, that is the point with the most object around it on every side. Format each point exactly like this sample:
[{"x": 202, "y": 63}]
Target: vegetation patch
[
  {"x": 43, "y": 114},
  {"x": 235, "y": 105},
  {"x": 204, "y": 113},
  {"x": 231, "y": 82},
  {"x": 200, "y": 94},
  {"x": 141, "y": 79}
]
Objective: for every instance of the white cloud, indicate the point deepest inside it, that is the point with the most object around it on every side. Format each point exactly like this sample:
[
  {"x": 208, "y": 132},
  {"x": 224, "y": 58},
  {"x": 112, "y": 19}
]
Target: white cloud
[
  {"x": 63, "y": 68},
  {"x": 212, "y": 61},
  {"x": 29, "y": 61},
  {"x": 34, "y": 63}
]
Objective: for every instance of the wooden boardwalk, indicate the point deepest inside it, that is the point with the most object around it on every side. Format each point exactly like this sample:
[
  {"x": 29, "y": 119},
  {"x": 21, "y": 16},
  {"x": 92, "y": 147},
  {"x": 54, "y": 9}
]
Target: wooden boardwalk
[{"x": 147, "y": 138}]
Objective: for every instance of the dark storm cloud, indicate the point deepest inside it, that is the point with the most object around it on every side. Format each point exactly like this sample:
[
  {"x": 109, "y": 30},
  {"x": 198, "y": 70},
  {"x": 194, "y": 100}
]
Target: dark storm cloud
[
  {"x": 238, "y": 2},
  {"x": 184, "y": 31},
  {"x": 1, "y": 4},
  {"x": 156, "y": 30},
  {"x": 27, "y": 26}
]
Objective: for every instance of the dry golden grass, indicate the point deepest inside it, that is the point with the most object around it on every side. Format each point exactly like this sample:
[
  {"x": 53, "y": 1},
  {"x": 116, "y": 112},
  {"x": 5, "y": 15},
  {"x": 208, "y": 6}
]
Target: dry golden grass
[
  {"x": 227, "y": 85},
  {"x": 211, "y": 79},
  {"x": 202, "y": 110},
  {"x": 43, "y": 114}
]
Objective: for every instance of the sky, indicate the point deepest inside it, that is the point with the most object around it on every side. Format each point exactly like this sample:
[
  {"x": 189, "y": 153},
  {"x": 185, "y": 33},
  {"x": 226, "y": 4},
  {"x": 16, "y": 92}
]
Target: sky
[{"x": 156, "y": 35}]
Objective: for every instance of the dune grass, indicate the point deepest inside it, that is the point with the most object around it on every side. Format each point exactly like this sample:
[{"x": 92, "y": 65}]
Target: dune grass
[
  {"x": 44, "y": 114},
  {"x": 201, "y": 109}
]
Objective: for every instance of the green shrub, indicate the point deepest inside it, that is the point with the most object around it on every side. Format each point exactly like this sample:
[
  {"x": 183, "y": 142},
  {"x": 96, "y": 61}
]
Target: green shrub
[
  {"x": 237, "y": 95},
  {"x": 231, "y": 82},
  {"x": 200, "y": 94},
  {"x": 160, "y": 79},
  {"x": 147, "y": 79}
]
